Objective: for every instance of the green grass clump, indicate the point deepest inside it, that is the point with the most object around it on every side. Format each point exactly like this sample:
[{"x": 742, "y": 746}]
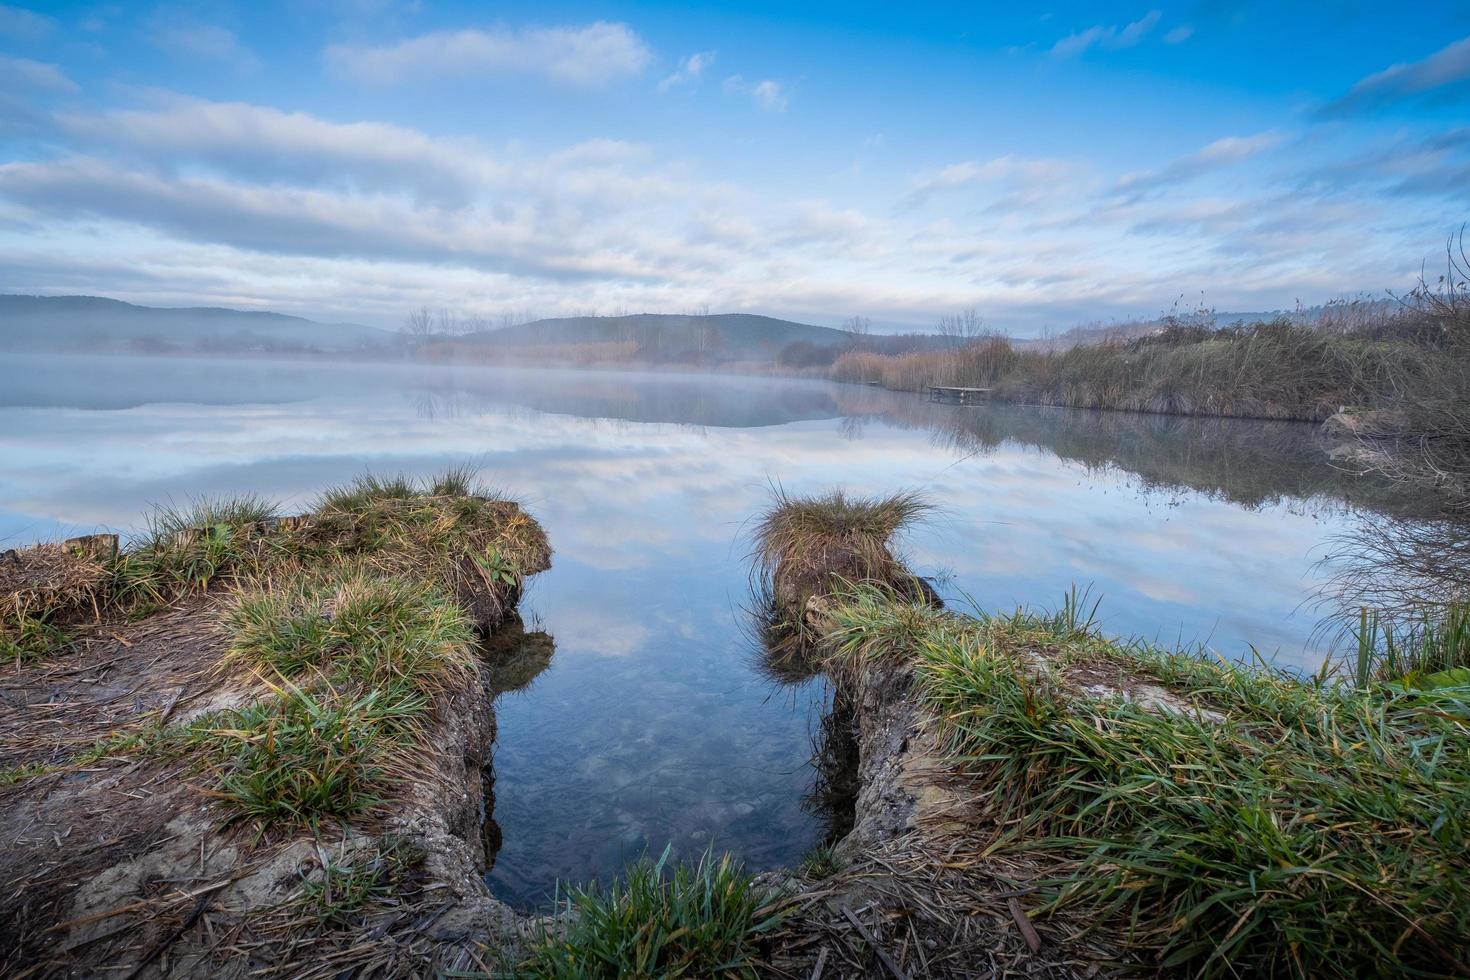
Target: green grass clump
[
  {"x": 190, "y": 549},
  {"x": 31, "y": 638},
  {"x": 698, "y": 920},
  {"x": 206, "y": 512},
  {"x": 860, "y": 527},
  {"x": 1314, "y": 831},
  {"x": 360, "y": 658},
  {"x": 306, "y": 754},
  {"x": 384, "y": 632},
  {"x": 344, "y": 890},
  {"x": 366, "y": 490},
  {"x": 820, "y": 862}
]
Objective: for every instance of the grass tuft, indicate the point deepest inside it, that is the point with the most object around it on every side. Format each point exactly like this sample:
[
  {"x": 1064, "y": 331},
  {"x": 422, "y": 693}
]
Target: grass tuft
[
  {"x": 364, "y": 491},
  {"x": 810, "y": 547},
  {"x": 168, "y": 522},
  {"x": 381, "y": 631},
  {"x": 345, "y": 890},
  {"x": 306, "y": 754},
  {"x": 696, "y": 920},
  {"x": 190, "y": 549},
  {"x": 820, "y": 862},
  {"x": 359, "y": 658},
  {"x": 28, "y": 639}
]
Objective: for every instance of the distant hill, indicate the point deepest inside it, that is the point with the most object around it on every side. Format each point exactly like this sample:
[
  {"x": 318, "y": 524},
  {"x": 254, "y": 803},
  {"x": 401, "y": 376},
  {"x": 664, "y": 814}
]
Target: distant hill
[
  {"x": 94, "y": 323},
  {"x": 672, "y": 337}
]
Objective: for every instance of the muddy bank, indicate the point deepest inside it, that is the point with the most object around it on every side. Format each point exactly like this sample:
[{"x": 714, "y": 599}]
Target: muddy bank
[{"x": 157, "y": 819}]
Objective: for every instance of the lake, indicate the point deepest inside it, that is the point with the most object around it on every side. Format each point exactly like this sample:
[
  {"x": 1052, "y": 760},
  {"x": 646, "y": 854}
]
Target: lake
[{"x": 651, "y": 722}]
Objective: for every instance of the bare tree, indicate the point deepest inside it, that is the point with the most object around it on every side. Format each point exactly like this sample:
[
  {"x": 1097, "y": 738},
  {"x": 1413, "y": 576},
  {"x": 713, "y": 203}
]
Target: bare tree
[
  {"x": 419, "y": 323},
  {"x": 857, "y": 329},
  {"x": 963, "y": 328}
]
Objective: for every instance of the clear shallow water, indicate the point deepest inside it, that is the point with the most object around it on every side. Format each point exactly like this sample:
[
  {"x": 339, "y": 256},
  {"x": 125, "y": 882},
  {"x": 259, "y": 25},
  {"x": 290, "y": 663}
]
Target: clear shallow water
[{"x": 650, "y": 724}]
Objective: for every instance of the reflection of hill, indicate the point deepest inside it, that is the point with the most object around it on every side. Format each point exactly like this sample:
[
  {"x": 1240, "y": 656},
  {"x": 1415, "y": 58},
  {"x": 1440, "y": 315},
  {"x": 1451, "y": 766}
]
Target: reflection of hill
[{"x": 719, "y": 401}]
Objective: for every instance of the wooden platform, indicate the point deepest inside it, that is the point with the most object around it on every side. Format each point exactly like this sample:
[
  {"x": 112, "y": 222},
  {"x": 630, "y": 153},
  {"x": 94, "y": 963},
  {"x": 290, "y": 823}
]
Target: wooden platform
[{"x": 958, "y": 396}]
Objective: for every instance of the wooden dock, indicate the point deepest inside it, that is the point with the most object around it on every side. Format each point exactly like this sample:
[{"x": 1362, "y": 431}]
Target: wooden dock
[{"x": 958, "y": 396}]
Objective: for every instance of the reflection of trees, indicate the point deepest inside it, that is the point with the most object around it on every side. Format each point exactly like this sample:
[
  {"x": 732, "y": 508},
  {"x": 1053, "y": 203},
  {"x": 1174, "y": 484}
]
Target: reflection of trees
[
  {"x": 512, "y": 658},
  {"x": 1398, "y": 566},
  {"x": 1246, "y": 462}
]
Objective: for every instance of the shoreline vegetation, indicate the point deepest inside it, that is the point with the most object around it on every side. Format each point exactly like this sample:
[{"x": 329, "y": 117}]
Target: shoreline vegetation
[
  {"x": 250, "y": 744},
  {"x": 1148, "y": 809}
]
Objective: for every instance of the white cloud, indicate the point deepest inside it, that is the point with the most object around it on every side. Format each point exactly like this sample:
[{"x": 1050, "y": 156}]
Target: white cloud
[
  {"x": 1032, "y": 174},
  {"x": 1220, "y": 153},
  {"x": 767, "y": 93},
  {"x": 206, "y": 42},
  {"x": 262, "y": 142},
  {"x": 587, "y": 55},
  {"x": 1179, "y": 35},
  {"x": 1446, "y": 69},
  {"x": 24, "y": 25},
  {"x": 690, "y": 69},
  {"x": 1105, "y": 36},
  {"x": 21, "y": 73}
]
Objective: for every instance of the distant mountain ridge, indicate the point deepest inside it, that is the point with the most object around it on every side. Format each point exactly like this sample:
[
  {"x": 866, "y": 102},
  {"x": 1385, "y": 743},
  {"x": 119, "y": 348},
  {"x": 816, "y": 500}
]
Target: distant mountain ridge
[
  {"x": 731, "y": 333},
  {"x": 89, "y": 322}
]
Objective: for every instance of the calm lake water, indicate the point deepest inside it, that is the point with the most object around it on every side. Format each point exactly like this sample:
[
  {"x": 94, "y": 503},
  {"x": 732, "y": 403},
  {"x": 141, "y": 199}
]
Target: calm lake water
[{"x": 650, "y": 724}]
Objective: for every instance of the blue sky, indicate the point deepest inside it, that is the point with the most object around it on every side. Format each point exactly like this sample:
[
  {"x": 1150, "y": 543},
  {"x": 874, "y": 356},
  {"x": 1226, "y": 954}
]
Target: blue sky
[{"x": 1047, "y": 165}]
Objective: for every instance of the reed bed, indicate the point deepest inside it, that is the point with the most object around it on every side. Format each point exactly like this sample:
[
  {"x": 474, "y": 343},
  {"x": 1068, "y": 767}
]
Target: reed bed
[{"x": 1275, "y": 370}]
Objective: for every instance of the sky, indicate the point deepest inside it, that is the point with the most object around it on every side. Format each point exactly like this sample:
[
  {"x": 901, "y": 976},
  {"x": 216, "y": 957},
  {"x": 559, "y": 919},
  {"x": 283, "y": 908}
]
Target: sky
[{"x": 1046, "y": 165}]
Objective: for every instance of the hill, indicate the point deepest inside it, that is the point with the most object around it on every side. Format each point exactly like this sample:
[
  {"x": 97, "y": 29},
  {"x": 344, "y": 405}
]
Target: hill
[
  {"x": 94, "y": 323},
  {"x": 670, "y": 337}
]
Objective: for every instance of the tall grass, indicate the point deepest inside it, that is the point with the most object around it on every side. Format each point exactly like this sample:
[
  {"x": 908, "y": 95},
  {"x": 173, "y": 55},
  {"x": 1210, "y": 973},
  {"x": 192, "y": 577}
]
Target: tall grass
[
  {"x": 1429, "y": 648},
  {"x": 694, "y": 920},
  {"x": 188, "y": 549},
  {"x": 358, "y": 660},
  {"x": 1299, "y": 829}
]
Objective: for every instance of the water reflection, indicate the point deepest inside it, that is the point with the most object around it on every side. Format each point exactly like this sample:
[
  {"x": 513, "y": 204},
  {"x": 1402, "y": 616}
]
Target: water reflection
[
  {"x": 649, "y": 724},
  {"x": 513, "y": 658}
]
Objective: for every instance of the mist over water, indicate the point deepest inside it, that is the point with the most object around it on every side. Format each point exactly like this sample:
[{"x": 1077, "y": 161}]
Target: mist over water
[{"x": 650, "y": 725}]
